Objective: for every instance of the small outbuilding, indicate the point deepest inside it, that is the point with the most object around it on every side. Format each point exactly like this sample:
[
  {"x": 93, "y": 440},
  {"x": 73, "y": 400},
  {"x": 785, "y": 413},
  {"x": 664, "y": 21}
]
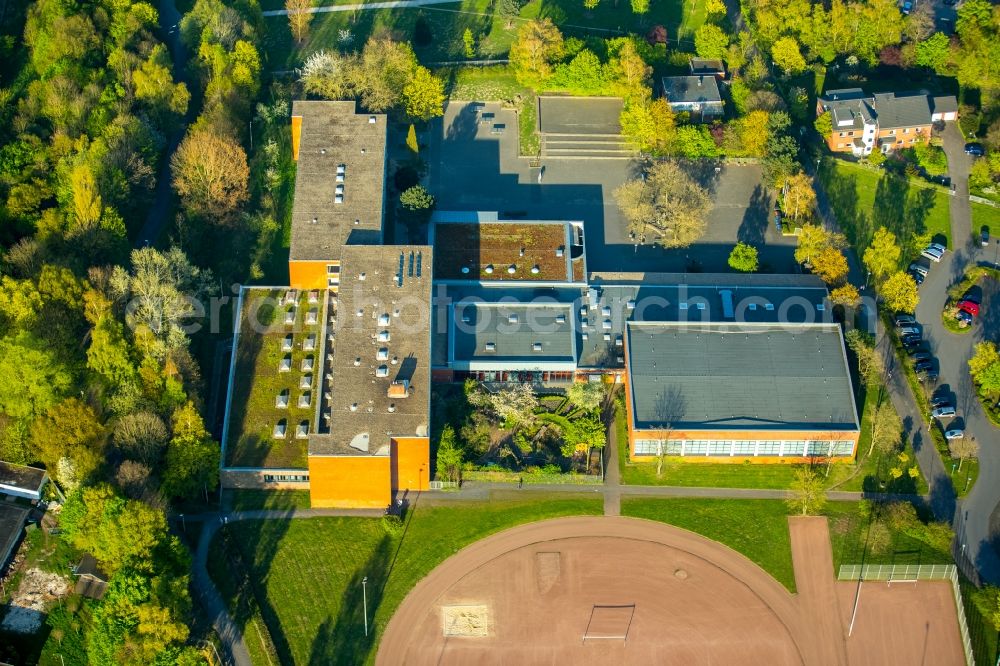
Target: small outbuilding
[
  {"x": 22, "y": 481},
  {"x": 944, "y": 108},
  {"x": 12, "y": 521},
  {"x": 91, "y": 581}
]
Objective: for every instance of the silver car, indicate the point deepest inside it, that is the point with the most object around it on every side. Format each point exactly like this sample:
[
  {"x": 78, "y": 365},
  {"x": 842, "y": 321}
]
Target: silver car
[
  {"x": 955, "y": 433},
  {"x": 932, "y": 253},
  {"x": 945, "y": 411}
]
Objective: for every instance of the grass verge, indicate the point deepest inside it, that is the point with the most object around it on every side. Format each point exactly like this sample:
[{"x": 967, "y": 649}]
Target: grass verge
[{"x": 307, "y": 574}]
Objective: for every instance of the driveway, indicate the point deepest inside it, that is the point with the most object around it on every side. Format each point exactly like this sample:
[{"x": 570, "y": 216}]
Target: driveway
[
  {"x": 977, "y": 523},
  {"x": 473, "y": 168}
]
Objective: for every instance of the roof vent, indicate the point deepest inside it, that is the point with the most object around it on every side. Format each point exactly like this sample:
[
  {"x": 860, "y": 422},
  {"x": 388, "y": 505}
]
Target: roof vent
[
  {"x": 491, "y": 346},
  {"x": 383, "y": 336},
  {"x": 488, "y": 270},
  {"x": 341, "y": 168},
  {"x": 322, "y": 151},
  {"x": 357, "y": 361},
  {"x": 561, "y": 319},
  {"x": 353, "y": 407},
  {"x": 361, "y": 276},
  {"x": 512, "y": 269},
  {"x": 465, "y": 270},
  {"x": 383, "y": 319},
  {"x": 315, "y": 220},
  {"x": 382, "y": 371},
  {"x": 382, "y": 354},
  {"x": 560, "y": 251},
  {"x": 371, "y": 120},
  {"x": 338, "y": 199},
  {"x": 512, "y": 318},
  {"x": 535, "y": 269},
  {"x": 536, "y": 346},
  {"x": 361, "y": 312},
  {"x": 392, "y": 407}
]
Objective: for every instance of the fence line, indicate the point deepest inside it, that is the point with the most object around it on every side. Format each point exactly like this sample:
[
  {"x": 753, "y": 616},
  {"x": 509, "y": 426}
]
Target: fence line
[{"x": 915, "y": 572}]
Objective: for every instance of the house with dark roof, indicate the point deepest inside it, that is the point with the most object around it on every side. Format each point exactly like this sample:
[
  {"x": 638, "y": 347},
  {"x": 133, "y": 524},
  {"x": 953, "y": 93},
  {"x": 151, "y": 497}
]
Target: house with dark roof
[
  {"x": 22, "y": 481},
  {"x": 885, "y": 121},
  {"x": 697, "y": 95},
  {"x": 12, "y": 521}
]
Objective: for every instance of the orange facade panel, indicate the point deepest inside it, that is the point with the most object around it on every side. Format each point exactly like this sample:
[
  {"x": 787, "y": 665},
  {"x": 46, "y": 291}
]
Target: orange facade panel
[
  {"x": 309, "y": 274},
  {"x": 411, "y": 458},
  {"x": 351, "y": 482},
  {"x": 296, "y": 136}
]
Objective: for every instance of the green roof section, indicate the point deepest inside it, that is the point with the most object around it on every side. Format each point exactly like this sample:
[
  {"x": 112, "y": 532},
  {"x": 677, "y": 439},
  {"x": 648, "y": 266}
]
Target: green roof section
[{"x": 735, "y": 376}]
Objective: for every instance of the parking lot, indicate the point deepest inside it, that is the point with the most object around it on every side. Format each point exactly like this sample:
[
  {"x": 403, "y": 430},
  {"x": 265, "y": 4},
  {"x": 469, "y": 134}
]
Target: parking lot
[{"x": 474, "y": 168}]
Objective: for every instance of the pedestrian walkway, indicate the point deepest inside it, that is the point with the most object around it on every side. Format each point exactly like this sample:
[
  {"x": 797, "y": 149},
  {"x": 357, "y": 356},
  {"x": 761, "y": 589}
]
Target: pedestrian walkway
[{"x": 389, "y": 4}]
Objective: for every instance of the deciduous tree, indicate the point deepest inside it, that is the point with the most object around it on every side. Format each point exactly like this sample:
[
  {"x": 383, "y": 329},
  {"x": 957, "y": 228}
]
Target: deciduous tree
[
  {"x": 649, "y": 125},
  {"x": 800, "y": 197},
  {"x": 211, "y": 174},
  {"x": 787, "y": 56},
  {"x": 424, "y": 95},
  {"x": 710, "y": 41},
  {"x": 667, "y": 204},
  {"x": 899, "y": 292},
  {"x": 963, "y": 449},
  {"x": 299, "y": 18},
  {"x": 886, "y": 428},
  {"x": 586, "y": 395},
  {"x": 70, "y": 430},
  {"x": 416, "y": 198},
  {"x": 824, "y": 124},
  {"x": 882, "y": 257},
  {"x": 537, "y": 47},
  {"x": 743, "y": 258},
  {"x": 830, "y": 265},
  {"x": 192, "y": 462},
  {"x": 870, "y": 364},
  {"x": 449, "y": 455},
  {"x": 846, "y": 295},
  {"x": 808, "y": 495}
]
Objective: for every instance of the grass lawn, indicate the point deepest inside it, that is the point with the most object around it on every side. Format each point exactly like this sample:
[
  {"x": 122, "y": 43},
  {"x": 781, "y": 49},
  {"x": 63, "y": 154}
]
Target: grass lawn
[
  {"x": 759, "y": 530},
  {"x": 305, "y": 575},
  {"x": 447, "y": 23},
  {"x": 906, "y": 207},
  {"x": 988, "y": 216},
  {"x": 756, "y": 528}
]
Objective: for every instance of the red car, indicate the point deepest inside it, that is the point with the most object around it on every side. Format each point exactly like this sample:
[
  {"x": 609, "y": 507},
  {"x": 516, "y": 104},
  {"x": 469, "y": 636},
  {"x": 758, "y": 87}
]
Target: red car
[{"x": 969, "y": 306}]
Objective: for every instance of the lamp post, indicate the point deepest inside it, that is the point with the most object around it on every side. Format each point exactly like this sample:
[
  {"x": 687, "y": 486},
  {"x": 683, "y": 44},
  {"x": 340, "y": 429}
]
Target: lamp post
[{"x": 364, "y": 592}]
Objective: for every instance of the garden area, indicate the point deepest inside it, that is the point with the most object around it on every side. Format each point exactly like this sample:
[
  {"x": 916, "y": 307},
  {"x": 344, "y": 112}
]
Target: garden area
[
  {"x": 510, "y": 433},
  {"x": 916, "y": 212},
  {"x": 986, "y": 216},
  {"x": 295, "y": 587}
]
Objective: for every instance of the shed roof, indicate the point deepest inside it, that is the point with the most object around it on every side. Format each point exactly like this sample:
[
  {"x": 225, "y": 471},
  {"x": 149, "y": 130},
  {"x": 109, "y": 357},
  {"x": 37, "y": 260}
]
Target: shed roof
[
  {"x": 389, "y": 341},
  {"x": 690, "y": 89},
  {"x": 737, "y": 376},
  {"x": 333, "y": 135}
]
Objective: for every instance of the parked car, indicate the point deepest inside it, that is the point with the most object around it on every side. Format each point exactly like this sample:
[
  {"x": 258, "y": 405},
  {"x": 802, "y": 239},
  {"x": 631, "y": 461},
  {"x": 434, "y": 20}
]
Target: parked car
[
  {"x": 965, "y": 305},
  {"x": 933, "y": 254},
  {"x": 905, "y": 320},
  {"x": 909, "y": 330},
  {"x": 975, "y": 149},
  {"x": 984, "y": 236},
  {"x": 929, "y": 376},
  {"x": 954, "y": 433},
  {"x": 907, "y": 7},
  {"x": 943, "y": 412},
  {"x": 917, "y": 277},
  {"x": 915, "y": 349},
  {"x": 923, "y": 366},
  {"x": 940, "y": 401},
  {"x": 972, "y": 296},
  {"x": 919, "y": 268},
  {"x": 922, "y": 356},
  {"x": 937, "y": 246},
  {"x": 912, "y": 338},
  {"x": 964, "y": 317}
]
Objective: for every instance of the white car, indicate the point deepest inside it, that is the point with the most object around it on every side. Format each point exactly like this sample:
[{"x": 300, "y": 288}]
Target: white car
[
  {"x": 956, "y": 433},
  {"x": 933, "y": 254},
  {"x": 944, "y": 411}
]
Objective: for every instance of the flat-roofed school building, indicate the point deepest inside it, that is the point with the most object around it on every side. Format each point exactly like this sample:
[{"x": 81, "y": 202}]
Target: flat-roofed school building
[{"x": 735, "y": 392}]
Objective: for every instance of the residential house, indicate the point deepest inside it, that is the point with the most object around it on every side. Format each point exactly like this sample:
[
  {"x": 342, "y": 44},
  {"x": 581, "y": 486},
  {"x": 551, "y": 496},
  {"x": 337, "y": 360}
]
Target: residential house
[
  {"x": 696, "y": 95},
  {"x": 22, "y": 481},
  {"x": 884, "y": 121}
]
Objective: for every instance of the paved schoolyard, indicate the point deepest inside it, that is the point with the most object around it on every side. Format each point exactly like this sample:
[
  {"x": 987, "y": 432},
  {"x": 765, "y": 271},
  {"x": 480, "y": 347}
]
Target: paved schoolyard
[{"x": 472, "y": 168}]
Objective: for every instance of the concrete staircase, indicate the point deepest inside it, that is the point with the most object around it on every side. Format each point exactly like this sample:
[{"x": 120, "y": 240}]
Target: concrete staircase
[{"x": 595, "y": 146}]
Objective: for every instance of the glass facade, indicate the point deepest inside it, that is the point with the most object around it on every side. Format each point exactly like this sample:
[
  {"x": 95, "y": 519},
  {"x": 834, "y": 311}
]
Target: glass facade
[{"x": 796, "y": 448}]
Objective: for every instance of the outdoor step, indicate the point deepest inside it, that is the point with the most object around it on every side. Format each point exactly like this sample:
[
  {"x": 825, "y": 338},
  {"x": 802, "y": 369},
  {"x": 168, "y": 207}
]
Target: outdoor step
[
  {"x": 592, "y": 154},
  {"x": 575, "y": 142},
  {"x": 581, "y": 137},
  {"x": 566, "y": 150}
]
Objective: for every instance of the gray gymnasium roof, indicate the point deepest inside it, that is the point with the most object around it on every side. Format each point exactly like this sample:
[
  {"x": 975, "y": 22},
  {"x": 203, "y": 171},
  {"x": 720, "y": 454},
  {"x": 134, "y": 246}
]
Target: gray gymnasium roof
[
  {"x": 501, "y": 336},
  {"x": 735, "y": 376}
]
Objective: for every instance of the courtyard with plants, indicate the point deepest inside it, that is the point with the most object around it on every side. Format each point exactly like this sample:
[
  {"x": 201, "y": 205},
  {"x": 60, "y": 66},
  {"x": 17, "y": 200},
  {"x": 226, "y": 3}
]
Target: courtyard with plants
[{"x": 517, "y": 433}]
